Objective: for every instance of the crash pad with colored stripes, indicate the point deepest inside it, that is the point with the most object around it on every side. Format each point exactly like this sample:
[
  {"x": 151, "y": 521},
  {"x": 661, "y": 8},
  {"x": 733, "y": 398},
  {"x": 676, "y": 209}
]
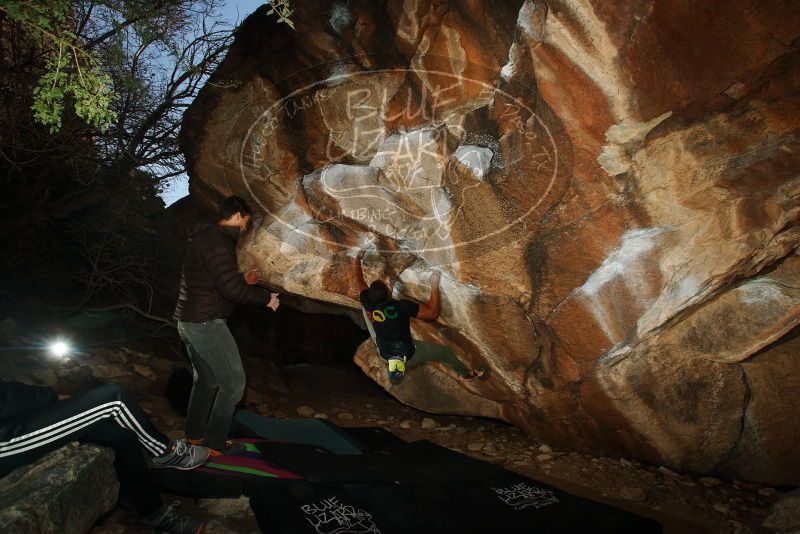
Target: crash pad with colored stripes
[
  {"x": 225, "y": 475},
  {"x": 250, "y": 463}
]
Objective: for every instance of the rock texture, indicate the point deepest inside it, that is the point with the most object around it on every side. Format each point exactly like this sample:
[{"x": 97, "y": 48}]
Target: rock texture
[
  {"x": 785, "y": 514},
  {"x": 610, "y": 190},
  {"x": 64, "y": 492}
]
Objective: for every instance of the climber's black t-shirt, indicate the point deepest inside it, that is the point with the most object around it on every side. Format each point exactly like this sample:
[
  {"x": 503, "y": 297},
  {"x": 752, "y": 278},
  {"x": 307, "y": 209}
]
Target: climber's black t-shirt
[{"x": 391, "y": 324}]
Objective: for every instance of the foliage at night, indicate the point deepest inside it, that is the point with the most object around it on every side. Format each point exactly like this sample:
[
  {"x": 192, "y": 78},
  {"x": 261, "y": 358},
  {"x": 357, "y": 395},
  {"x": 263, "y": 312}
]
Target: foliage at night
[
  {"x": 92, "y": 94},
  {"x": 75, "y": 64}
]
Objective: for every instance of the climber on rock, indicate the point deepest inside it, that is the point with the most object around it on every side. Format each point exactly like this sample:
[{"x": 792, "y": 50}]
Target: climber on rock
[
  {"x": 210, "y": 285},
  {"x": 34, "y": 421},
  {"x": 388, "y": 323}
]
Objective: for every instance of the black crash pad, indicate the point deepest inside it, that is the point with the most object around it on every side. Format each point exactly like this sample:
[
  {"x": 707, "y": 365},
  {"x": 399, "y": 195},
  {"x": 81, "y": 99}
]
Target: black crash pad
[
  {"x": 417, "y": 462},
  {"x": 420, "y": 487},
  {"x": 373, "y": 438},
  {"x": 321, "y": 466},
  {"x": 519, "y": 505}
]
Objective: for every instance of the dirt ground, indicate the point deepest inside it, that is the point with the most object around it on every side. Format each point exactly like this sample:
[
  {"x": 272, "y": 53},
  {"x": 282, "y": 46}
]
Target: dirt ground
[{"x": 681, "y": 502}]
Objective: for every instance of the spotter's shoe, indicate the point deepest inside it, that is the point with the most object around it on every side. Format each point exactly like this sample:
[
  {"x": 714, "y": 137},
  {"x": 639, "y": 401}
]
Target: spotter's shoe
[
  {"x": 168, "y": 520},
  {"x": 181, "y": 455}
]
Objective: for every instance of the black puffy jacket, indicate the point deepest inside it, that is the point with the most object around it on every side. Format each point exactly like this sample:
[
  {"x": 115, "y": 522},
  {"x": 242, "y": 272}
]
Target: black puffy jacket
[{"x": 210, "y": 281}]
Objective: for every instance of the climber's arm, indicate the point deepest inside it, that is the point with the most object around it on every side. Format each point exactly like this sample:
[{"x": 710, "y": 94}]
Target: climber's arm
[
  {"x": 358, "y": 275},
  {"x": 430, "y": 311}
]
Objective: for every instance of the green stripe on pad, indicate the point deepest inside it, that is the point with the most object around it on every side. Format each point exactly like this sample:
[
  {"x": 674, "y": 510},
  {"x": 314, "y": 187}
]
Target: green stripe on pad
[{"x": 238, "y": 469}]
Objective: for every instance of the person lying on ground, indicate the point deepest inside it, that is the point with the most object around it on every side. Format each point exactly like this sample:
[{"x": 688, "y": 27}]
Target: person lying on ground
[
  {"x": 34, "y": 421},
  {"x": 390, "y": 328},
  {"x": 210, "y": 285}
]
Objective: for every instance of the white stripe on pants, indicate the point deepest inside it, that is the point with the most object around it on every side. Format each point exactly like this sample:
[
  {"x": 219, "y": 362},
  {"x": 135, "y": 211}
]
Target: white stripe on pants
[{"x": 114, "y": 409}]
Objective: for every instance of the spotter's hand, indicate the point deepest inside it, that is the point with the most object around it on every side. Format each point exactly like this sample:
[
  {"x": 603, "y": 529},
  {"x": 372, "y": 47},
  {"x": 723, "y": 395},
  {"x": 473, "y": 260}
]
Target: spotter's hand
[{"x": 252, "y": 277}]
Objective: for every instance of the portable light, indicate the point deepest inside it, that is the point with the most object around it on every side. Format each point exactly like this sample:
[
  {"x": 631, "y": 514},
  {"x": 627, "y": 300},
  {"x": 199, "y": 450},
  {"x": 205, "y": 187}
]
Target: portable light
[{"x": 59, "y": 348}]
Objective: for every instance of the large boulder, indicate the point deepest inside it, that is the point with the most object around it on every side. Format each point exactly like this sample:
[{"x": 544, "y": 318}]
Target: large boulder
[
  {"x": 610, "y": 189},
  {"x": 64, "y": 492}
]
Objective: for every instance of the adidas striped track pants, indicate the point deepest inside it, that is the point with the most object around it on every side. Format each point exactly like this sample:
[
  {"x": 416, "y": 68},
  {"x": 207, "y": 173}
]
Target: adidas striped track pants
[{"x": 106, "y": 415}]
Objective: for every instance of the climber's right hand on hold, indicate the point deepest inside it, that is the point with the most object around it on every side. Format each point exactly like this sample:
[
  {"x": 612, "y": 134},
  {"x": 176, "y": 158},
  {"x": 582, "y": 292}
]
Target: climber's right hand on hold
[{"x": 273, "y": 302}]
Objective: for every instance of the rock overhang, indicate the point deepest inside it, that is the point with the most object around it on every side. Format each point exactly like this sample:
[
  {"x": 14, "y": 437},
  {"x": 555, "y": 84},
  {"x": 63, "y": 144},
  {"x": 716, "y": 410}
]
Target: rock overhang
[{"x": 589, "y": 228}]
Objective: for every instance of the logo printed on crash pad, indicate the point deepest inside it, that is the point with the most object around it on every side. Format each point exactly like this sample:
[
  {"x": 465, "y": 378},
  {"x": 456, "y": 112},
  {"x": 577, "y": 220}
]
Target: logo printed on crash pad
[
  {"x": 330, "y": 516},
  {"x": 522, "y": 495}
]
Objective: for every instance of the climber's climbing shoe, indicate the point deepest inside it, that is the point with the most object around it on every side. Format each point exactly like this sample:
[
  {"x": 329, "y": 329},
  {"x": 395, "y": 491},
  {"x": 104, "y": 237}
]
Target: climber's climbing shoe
[{"x": 396, "y": 369}]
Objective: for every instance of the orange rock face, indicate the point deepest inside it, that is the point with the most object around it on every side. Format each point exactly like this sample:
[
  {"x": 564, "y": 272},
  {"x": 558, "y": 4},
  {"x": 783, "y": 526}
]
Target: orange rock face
[{"x": 611, "y": 191}]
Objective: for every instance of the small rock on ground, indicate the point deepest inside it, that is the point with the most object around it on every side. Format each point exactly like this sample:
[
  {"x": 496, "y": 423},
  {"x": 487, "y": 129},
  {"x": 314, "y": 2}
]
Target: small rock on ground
[
  {"x": 722, "y": 508},
  {"x": 306, "y": 411},
  {"x": 633, "y": 494},
  {"x": 428, "y": 423}
]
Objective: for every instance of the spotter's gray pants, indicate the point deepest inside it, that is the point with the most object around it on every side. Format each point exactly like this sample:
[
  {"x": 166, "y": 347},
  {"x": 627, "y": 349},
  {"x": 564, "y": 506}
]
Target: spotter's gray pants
[{"x": 219, "y": 380}]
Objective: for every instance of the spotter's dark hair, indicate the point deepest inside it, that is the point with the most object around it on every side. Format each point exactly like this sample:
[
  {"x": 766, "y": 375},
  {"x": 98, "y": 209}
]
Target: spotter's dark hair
[{"x": 233, "y": 205}]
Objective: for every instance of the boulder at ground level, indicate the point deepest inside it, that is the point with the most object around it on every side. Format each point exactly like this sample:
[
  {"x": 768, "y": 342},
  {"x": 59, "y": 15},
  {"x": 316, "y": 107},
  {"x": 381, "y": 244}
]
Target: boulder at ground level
[
  {"x": 64, "y": 492},
  {"x": 785, "y": 514}
]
